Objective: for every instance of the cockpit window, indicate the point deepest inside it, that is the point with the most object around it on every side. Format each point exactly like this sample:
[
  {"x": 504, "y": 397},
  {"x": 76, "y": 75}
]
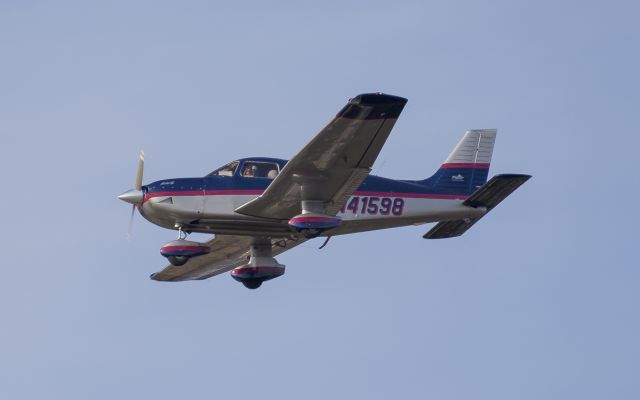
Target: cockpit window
[
  {"x": 260, "y": 169},
  {"x": 227, "y": 170}
]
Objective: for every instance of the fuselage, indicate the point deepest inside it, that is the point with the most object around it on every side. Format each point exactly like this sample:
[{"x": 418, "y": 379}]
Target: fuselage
[{"x": 207, "y": 204}]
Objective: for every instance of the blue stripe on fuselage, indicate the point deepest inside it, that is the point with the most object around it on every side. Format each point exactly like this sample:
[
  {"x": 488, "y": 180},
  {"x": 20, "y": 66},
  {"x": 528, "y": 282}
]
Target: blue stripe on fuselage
[{"x": 446, "y": 181}]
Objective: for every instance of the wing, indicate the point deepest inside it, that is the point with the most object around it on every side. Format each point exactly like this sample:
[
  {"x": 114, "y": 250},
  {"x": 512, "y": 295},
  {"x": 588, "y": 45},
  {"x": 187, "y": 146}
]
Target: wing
[
  {"x": 226, "y": 253},
  {"x": 334, "y": 163}
]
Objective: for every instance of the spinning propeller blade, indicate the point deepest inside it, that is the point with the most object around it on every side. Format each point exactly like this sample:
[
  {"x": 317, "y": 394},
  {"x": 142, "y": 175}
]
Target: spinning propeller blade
[
  {"x": 133, "y": 212},
  {"x": 138, "y": 183}
]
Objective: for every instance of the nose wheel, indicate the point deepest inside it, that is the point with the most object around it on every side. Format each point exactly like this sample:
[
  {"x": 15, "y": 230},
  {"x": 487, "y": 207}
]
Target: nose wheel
[
  {"x": 179, "y": 252},
  {"x": 179, "y": 261}
]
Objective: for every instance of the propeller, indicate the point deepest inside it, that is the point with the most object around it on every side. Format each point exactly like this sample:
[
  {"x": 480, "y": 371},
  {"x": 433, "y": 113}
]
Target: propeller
[
  {"x": 138, "y": 184},
  {"x": 130, "y": 228},
  {"x": 135, "y": 196}
]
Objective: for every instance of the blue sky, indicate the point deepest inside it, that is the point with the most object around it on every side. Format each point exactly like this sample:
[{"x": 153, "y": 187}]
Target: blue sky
[{"x": 539, "y": 300}]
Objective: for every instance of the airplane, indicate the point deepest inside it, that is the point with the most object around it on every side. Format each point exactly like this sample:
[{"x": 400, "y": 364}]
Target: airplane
[{"x": 260, "y": 207}]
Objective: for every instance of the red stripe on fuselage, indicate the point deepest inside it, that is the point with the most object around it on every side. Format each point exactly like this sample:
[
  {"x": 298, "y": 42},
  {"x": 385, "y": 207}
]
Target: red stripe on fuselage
[
  {"x": 259, "y": 192},
  {"x": 466, "y": 165},
  {"x": 202, "y": 192},
  {"x": 414, "y": 195},
  {"x": 231, "y": 192}
]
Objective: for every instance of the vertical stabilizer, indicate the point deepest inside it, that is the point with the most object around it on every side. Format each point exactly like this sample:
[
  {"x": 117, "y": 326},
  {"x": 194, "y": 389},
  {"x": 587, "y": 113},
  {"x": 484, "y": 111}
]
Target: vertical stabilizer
[
  {"x": 467, "y": 166},
  {"x": 474, "y": 149}
]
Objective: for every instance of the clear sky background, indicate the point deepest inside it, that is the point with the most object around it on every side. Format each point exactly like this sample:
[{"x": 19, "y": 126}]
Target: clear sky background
[{"x": 538, "y": 301}]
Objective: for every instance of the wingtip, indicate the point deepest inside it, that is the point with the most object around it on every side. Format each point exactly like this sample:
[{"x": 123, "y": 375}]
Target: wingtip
[
  {"x": 373, "y": 106},
  {"x": 524, "y": 177},
  {"x": 377, "y": 98}
]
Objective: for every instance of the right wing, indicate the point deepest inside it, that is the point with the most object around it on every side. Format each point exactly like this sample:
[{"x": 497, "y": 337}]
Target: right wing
[
  {"x": 226, "y": 253},
  {"x": 334, "y": 163}
]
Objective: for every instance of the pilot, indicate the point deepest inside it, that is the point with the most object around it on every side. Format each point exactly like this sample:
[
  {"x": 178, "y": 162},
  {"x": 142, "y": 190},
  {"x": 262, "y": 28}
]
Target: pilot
[{"x": 249, "y": 170}]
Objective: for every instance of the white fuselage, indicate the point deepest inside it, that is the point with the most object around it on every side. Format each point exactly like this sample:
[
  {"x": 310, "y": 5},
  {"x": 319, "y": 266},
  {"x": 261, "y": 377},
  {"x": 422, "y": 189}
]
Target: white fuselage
[{"x": 363, "y": 211}]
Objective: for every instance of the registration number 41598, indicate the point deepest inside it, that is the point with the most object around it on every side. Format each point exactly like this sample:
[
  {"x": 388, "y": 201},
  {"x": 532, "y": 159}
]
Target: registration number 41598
[{"x": 372, "y": 205}]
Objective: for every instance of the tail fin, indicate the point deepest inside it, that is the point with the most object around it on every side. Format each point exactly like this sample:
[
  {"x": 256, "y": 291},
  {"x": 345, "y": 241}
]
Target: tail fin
[{"x": 467, "y": 167}]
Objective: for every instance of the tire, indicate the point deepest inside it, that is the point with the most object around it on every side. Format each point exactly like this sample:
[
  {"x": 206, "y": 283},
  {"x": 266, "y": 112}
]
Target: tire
[
  {"x": 178, "y": 261},
  {"x": 252, "y": 284},
  {"x": 311, "y": 233}
]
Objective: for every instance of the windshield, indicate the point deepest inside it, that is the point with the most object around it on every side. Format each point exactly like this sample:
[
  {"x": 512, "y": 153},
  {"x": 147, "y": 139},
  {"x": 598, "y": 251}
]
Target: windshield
[{"x": 227, "y": 170}]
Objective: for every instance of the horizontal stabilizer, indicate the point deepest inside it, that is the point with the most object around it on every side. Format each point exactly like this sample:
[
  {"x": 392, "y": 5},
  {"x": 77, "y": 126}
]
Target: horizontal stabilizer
[
  {"x": 448, "y": 229},
  {"x": 488, "y": 196}
]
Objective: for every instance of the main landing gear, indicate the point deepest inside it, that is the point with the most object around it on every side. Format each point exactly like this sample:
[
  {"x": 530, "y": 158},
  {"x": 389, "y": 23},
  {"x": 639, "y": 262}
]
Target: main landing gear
[
  {"x": 313, "y": 220},
  {"x": 261, "y": 266},
  {"x": 178, "y": 261},
  {"x": 311, "y": 233}
]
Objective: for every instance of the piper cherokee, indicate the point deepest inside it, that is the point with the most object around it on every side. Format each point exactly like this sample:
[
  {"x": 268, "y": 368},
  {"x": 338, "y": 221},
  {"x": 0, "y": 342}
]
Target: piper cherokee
[{"x": 260, "y": 207}]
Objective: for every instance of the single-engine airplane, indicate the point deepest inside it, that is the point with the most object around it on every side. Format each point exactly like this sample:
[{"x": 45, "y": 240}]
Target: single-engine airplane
[{"x": 260, "y": 207}]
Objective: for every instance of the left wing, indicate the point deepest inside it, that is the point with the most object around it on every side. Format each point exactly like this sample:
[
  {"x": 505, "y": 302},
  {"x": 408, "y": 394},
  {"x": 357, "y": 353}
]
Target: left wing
[
  {"x": 226, "y": 253},
  {"x": 334, "y": 163}
]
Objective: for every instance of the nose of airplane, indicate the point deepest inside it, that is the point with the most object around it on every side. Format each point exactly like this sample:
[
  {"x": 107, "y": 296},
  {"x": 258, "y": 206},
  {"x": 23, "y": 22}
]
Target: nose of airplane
[
  {"x": 132, "y": 196},
  {"x": 135, "y": 195}
]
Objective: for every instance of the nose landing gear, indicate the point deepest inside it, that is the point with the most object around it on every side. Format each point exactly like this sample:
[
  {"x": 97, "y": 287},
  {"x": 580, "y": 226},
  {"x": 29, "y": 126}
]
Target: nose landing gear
[{"x": 178, "y": 252}]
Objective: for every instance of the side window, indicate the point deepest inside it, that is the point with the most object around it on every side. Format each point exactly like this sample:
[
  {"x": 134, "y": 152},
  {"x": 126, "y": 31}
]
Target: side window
[{"x": 258, "y": 169}]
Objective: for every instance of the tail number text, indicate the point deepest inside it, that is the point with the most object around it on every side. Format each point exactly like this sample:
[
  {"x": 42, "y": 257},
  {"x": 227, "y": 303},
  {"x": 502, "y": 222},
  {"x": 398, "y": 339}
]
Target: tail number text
[{"x": 374, "y": 205}]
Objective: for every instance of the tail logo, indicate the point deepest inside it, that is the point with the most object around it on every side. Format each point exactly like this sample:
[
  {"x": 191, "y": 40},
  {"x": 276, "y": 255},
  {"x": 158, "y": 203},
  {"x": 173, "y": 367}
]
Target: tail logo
[{"x": 457, "y": 178}]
